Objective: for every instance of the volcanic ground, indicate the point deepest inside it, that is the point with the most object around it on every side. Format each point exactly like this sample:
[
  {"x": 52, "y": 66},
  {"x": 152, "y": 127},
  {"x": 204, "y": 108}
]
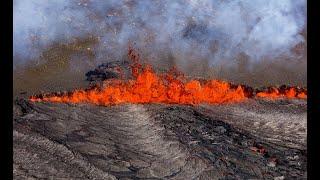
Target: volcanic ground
[{"x": 253, "y": 139}]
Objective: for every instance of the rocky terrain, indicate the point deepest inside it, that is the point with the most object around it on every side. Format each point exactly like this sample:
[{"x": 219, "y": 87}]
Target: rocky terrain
[{"x": 256, "y": 139}]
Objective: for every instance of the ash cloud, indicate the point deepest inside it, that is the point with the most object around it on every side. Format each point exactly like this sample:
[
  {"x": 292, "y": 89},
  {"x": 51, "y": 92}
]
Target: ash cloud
[{"x": 215, "y": 30}]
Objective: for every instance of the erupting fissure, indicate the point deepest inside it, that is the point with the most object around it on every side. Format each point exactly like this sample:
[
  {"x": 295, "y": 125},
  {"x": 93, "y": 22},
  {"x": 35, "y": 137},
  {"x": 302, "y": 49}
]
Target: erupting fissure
[
  {"x": 171, "y": 87},
  {"x": 275, "y": 93}
]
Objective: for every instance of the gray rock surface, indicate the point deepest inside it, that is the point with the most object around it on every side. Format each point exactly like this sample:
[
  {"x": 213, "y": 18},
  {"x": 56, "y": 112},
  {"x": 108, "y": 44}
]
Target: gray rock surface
[{"x": 154, "y": 141}]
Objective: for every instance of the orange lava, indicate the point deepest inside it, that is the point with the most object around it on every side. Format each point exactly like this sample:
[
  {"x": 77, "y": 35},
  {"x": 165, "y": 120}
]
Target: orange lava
[
  {"x": 149, "y": 87},
  {"x": 274, "y": 93}
]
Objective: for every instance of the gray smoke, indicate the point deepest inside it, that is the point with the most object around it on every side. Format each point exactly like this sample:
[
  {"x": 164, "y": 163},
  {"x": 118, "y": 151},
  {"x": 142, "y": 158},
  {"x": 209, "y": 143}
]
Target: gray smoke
[{"x": 216, "y": 30}]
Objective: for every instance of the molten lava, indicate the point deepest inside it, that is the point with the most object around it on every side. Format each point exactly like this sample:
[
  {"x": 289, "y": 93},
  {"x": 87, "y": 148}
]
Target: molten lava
[
  {"x": 149, "y": 87},
  {"x": 291, "y": 92}
]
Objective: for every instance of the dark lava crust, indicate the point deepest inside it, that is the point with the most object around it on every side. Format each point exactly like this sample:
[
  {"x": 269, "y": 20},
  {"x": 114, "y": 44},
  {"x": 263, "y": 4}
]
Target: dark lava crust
[{"x": 251, "y": 140}]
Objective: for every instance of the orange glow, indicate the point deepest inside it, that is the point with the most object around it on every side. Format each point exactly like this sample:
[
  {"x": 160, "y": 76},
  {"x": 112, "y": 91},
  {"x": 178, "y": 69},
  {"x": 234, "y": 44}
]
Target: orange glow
[
  {"x": 149, "y": 87},
  {"x": 274, "y": 93},
  {"x": 302, "y": 95}
]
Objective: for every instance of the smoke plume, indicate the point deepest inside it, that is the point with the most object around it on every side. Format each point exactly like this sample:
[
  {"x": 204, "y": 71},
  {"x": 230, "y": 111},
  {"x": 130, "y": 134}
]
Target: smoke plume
[{"x": 211, "y": 29}]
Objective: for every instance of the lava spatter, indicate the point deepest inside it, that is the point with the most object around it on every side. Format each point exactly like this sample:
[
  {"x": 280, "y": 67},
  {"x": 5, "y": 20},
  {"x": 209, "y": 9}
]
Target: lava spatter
[{"x": 171, "y": 87}]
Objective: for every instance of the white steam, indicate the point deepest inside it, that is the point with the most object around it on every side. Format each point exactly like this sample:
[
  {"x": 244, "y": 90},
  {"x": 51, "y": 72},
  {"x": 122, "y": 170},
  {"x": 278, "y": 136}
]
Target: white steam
[{"x": 211, "y": 29}]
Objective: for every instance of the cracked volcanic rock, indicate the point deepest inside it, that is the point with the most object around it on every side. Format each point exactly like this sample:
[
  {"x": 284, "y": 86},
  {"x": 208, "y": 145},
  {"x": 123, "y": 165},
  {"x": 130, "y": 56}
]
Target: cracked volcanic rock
[{"x": 250, "y": 140}]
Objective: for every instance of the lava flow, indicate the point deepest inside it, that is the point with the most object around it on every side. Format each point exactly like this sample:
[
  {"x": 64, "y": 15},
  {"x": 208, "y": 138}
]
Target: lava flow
[
  {"x": 290, "y": 92},
  {"x": 171, "y": 87}
]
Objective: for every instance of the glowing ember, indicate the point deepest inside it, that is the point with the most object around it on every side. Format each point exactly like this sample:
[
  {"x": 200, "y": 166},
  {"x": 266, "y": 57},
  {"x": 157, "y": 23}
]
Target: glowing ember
[{"x": 171, "y": 87}]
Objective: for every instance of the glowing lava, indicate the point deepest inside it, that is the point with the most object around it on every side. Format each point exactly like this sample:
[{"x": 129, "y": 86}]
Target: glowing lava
[
  {"x": 291, "y": 92},
  {"x": 149, "y": 87}
]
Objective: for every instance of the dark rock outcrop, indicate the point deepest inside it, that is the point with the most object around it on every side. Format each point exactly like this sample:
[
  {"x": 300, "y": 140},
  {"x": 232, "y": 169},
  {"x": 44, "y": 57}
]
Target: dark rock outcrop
[{"x": 109, "y": 70}]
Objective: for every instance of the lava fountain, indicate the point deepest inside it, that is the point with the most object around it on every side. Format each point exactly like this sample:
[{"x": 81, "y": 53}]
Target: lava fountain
[{"x": 171, "y": 87}]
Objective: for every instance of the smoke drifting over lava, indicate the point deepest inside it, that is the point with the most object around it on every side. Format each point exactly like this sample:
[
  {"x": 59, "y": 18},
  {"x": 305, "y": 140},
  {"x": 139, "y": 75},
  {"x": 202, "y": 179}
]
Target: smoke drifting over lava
[
  {"x": 171, "y": 87},
  {"x": 209, "y": 29},
  {"x": 196, "y": 95},
  {"x": 260, "y": 43}
]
